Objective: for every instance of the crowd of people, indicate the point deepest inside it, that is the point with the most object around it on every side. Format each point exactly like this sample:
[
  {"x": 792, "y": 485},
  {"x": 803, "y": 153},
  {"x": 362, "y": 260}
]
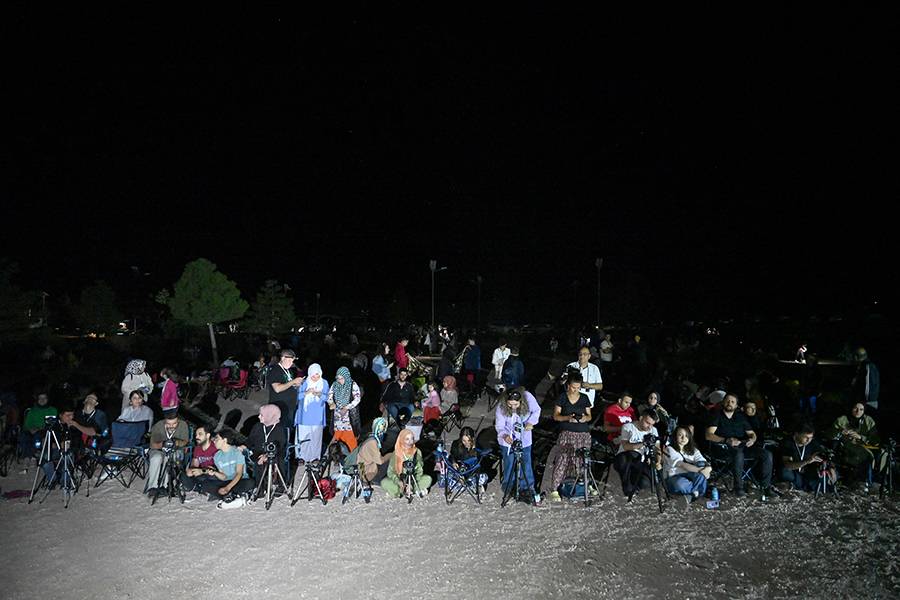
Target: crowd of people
[{"x": 313, "y": 419}]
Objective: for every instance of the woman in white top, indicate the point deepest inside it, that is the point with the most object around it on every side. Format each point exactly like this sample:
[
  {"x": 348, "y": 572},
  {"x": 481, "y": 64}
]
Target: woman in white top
[{"x": 686, "y": 469}]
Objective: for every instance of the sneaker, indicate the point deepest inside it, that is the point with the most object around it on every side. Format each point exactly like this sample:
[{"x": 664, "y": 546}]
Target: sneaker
[
  {"x": 537, "y": 500},
  {"x": 555, "y": 497},
  {"x": 234, "y": 503},
  {"x": 423, "y": 493},
  {"x": 695, "y": 494},
  {"x": 594, "y": 491}
]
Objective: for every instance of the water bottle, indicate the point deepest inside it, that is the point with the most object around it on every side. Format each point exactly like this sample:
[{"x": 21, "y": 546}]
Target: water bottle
[{"x": 714, "y": 494}]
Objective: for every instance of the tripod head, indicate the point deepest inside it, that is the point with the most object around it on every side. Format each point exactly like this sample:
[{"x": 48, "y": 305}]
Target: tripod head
[
  {"x": 409, "y": 467},
  {"x": 271, "y": 450},
  {"x": 168, "y": 446}
]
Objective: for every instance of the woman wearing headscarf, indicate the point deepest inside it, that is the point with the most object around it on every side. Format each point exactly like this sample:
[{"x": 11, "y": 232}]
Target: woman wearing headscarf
[
  {"x": 136, "y": 378},
  {"x": 449, "y": 393},
  {"x": 369, "y": 453},
  {"x": 405, "y": 450},
  {"x": 343, "y": 398},
  {"x": 312, "y": 396},
  {"x": 268, "y": 429}
]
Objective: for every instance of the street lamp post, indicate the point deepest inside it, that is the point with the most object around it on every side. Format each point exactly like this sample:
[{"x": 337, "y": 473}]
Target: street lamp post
[{"x": 599, "y": 264}]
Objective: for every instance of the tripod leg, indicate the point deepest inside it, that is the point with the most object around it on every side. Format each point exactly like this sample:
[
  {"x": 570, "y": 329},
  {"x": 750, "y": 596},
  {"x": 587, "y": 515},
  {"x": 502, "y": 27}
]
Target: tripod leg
[
  {"x": 270, "y": 491},
  {"x": 301, "y": 487}
]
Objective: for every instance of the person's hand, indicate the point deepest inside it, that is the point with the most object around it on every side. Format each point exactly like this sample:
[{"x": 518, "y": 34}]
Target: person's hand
[
  {"x": 815, "y": 459},
  {"x": 331, "y": 405},
  {"x": 574, "y": 419},
  {"x": 262, "y": 460},
  {"x": 528, "y": 426},
  {"x": 706, "y": 471},
  {"x": 734, "y": 443},
  {"x": 508, "y": 439},
  {"x": 750, "y": 442},
  {"x": 223, "y": 491},
  {"x": 344, "y": 412}
]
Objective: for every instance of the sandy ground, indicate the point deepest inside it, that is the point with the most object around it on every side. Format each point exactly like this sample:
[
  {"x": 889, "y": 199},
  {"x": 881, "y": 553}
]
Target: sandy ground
[{"x": 115, "y": 545}]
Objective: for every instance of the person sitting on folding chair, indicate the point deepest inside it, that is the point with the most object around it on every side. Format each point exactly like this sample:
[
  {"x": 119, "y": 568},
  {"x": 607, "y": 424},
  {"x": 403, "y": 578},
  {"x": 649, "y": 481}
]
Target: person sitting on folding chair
[
  {"x": 170, "y": 428},
  {"x": 685, "y": 468},
  {"x": 67, "y": 428},
  {"x": 195, "y": 475},
  {"x": 733, "y": 440},
  {"x": 463, "y": 453}
]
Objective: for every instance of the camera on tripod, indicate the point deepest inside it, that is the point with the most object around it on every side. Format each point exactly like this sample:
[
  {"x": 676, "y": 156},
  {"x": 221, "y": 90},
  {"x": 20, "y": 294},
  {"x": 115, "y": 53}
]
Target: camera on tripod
[
  {"x": 409, "y": 467},
  {"x": 650, "y": 440},
  {"x": 271, "y": 450},
  {"x": 583, "y": 453},
  {"x": 168, "y": 446},
  {"x": 51, "y": 421},
  {"x": 516, "y": 446}
]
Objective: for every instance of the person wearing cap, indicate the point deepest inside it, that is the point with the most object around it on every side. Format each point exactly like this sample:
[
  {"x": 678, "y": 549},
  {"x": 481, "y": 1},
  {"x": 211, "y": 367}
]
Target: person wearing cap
[
  {"x": 283, "y": 381},
  {"x": 170, "y": 428},
  {"x": 92, "y": 417}
]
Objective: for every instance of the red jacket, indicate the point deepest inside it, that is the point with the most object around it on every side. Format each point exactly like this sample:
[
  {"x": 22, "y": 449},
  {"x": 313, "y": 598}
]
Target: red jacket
[{"x": 400, "y": 358}]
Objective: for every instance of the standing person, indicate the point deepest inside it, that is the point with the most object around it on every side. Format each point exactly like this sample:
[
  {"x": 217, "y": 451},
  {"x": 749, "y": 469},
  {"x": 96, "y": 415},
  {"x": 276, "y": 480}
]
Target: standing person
[
  {"x": 606, "y": 350},
  {"x": 344, "y": 398},
  {"x": 513, "y": 374},
  {"x": 312, "y": 398},
  {"x": 471, "y": 361},
  {"x": 169, "y": 397},
  {"x": 401, "y": 360},
  {"x": 381, "y": 366},
  {"x": 137, "y": 410},
  {"x": 283, "y": 381},
  {"x": 516, "y": 415},
  {"x": 591, "y": 381},
  {"x": 501, "y": 353},
  {"x": 866, "y": 383},
  {"x": 136, "y": 378}
]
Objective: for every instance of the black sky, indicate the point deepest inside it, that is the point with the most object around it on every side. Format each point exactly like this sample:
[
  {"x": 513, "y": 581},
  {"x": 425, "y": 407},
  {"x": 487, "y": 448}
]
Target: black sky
[{"x": 748, "y": 164}]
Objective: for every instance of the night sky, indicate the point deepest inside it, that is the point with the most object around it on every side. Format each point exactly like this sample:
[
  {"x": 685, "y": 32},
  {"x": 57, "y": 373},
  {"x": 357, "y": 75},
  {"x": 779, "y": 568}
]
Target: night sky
[{"x": 747, "y": 170}]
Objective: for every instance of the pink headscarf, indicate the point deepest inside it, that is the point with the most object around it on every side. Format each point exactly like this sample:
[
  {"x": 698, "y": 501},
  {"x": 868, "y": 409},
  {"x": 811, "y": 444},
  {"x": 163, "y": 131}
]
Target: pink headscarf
[
  {"x": 269, "y": 414},
  {"x": 449, "y": 383}
]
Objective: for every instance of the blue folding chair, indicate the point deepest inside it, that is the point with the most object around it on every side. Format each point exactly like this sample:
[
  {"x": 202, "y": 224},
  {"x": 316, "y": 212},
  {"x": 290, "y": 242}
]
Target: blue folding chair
[{"x": 124, "y": 461}]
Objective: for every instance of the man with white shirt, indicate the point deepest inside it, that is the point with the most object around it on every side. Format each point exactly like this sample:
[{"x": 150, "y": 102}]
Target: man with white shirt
[
  {"x": 631, "y": 461},
  {"x": 592, "y": 382},
  {"x": 501, "y": 353}
]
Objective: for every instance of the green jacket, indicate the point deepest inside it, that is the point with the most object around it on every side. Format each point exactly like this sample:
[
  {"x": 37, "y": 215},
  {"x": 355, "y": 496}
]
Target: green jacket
[
  {"x": 866, "y": 429},
  {"x": 392, "y": 467}
]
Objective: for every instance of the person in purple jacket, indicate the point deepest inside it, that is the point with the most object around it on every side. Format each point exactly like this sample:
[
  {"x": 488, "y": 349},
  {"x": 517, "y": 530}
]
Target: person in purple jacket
[{"x": 517, "y": 413}]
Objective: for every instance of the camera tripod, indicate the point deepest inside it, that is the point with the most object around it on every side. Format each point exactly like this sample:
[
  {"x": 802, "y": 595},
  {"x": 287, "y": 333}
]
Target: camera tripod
[
  {"x": 410, "y": 485},
  {"x": 170, "y": 469},
  {"x": 270, "y": 479},
  {"x": 823, "y": 482},
  {"x": 358, "y": 485},
  {"x": 655, "y": 484},
  {"x": 63, "y": 468},
  {"x": 513, "y": 489},
  {"x": 586, "y": 475},
  {"x": 309, "y": 482},
  {"x": 887, "y": 469}
]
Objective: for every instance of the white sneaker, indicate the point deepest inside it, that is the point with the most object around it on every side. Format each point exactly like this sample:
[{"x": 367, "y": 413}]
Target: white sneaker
[
  {"x": 423, "y": 493},
  {"x": 236, "y": 503}
]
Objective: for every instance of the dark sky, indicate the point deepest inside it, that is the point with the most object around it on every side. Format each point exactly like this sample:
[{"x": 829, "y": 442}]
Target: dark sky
[{"x": 747, "y": 165}]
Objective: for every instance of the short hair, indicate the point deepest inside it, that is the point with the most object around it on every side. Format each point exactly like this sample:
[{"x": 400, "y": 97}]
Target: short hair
[
  {"x": 626, "y": 394},
  {"x": 652, "y": 414},
  {"x": 226, "y": 435},
  {"x": 574, "y": 377},
  {"x": 514, "y": 351},
  {"x": 584, "y": 347},
  {"x": 205, "y": 428},
  {"x": 805, "y": 428},
  {"x": 402, "y": 370}
]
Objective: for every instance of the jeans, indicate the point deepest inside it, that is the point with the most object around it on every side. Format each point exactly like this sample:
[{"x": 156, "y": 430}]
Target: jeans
[
  {"x": 509, "y": 459},
  {"x": 394, "y": 409},
  {"x": 686, "y": 484}
]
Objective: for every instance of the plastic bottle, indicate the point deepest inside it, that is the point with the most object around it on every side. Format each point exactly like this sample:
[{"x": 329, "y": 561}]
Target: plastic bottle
[{"x": 714, "y": 494}]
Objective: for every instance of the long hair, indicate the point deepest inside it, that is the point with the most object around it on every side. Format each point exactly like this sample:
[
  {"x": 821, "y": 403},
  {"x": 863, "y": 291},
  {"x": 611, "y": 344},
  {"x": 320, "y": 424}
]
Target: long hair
[
  {"x": 523, "y": 409},
  {"x": 689, "y": 447}
]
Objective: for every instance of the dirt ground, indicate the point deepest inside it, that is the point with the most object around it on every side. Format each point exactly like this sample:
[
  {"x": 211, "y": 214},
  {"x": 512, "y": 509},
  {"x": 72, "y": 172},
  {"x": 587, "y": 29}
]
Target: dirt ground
[{"x": 115, "y": 545}]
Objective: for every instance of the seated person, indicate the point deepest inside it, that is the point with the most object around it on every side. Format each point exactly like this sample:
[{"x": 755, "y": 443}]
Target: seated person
[
  {"x": 854, "y": 432},
  {"x": 394, "y": 484},
  {"x": 449, "y": 393},
  {"x": 463, "y": 449},
  {"x": 616, "y": 415},
  {"x": 93, "y": 417},
  {"x": 373, "y": 466},
  {"x": 733, "y": 440},
  {"x": 516, "y": 415},
  {"x": 400, "y": 396},
  {"x": 170, "y": 428},
  {"x": 70, "y": 431},
  {"x": 204, "y": 450},
  {"x": 268, "y": 429},
  {"x": 685, "y": 468},
  {"x": 573, "y": 414},
  {"x": 801, "y": 457},
  {"x": 33, "y": 426},
  {"x": 753, "y": 420},
  {"x": 630, "y": 462},
  {"x": 137, "y": 410},
  {"x": 231, "y": 469}
]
